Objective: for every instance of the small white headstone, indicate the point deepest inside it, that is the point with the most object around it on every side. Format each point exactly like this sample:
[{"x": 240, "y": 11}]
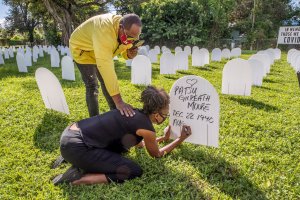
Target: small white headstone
[
  {"x": 128, "y": 62},
  {"x": 181, "y": 61},
  {"x": 1, "y": 59},
  {"x": 167, "y": 64},
  {"x": 11, "y": 52},
  {"x": 258, "y": 72},
  {"x": 153, "y": 56},
  {"x": 141, "y": 70},
  {"x": 197, "y": 60},
  {"x": 226, "y": 54},
  {"x": 6, "y": 54},
  {"x": 216, "y": 55},
  {"x": 188, "y": 50},
  {"x": 205, "y": 56},
  {"x": 236, "y": 52},
  {"x": 28, "y": 58},
  {"x": 277, "y": 54},
  {"x": 157, "y": 49},
  {"x": 195, "y": 102},
  {"x": 237, "y": 77},
  {"x": 116, "y": 58},
  {"x": 195, "y": 48},
  {"x": 21, "y": 63},
  {"x": 54, "y": 58},
  {"x": 67, "y": 67},
  {"x": 166, "y": 50},
  {"x": 41, "y": 52},
  {"x": 178, "y": 49},
  {"x": 51, "y": 90},
  {"x": 264, "y": 59}
]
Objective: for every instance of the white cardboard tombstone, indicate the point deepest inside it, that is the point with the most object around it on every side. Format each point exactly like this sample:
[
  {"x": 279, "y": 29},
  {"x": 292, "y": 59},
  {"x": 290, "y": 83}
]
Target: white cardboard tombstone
[
  {"x": 11, "y": 52},
  {"x": 51, "y": 90},
  {"x": 290, "y": 52},
  {"x": 182, "y": 60},
  {"x": 178, "y": 49},
  {"x": 258, "y": 72},
  {"x": 41, "y": 52},
  {"x": 236, "y": 52},
  {"x": 188, "y": 50},
  {"x": 141, "y": 70},
  {"x": 277, "y": 54},
  {"x": 163, "y": 48},
  {"x": 262, "y": 59},
  {"x": 216, "y": 55},
  {"x": 205, "y": 56},
  {"x": 6, "y": 54},
  {"x": 157, "y": 49},
  {"x": 153, "y": 56},
  {"x": 143, "y": 51},
  {"x": 28, "y": 58},
  {"x": 54, "y": 57},
  {"x": 21, "y": 63},
  {"x": 197, "y": 60},
  {"x": 195, "y": 102},
  {"x": 195, "y": 48},
  {"x": 67, "y": 67},
  {"x": 167, "y": 64},
  {"x": 226, "y": 54},
  {"x": 166, "y": 50},
  {"x": 1, "y": 59},
  {"x": 116, "y": 58},
  {"x": 237, "y": 77}
]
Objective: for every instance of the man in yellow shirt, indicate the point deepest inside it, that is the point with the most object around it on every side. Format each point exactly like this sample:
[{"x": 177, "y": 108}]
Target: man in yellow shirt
[{"x": 93, "y": 45}]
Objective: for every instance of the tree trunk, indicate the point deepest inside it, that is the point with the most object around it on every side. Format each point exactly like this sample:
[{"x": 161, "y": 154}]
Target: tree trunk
[{"x": 63, "y": 17}]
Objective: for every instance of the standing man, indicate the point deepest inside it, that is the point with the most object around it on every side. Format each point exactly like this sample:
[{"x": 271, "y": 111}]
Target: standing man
[{"x": 93, "y": 45}]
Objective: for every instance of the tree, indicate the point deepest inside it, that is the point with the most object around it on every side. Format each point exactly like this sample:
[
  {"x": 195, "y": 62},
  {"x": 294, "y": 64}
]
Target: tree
[{"x": 21, "y": 17}]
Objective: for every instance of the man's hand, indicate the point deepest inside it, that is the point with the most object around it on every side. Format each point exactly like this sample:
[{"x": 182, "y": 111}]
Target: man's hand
[
  {"x": 126, "y": 109},
  {"x": 131, "y": 53}
]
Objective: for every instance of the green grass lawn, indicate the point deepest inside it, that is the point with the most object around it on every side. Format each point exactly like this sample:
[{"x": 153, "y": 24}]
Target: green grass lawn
[{"x": 258, "y": 157}]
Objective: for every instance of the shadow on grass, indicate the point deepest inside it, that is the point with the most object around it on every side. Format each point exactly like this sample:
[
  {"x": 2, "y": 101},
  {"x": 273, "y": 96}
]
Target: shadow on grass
[
  {"x": 221, "y": 174},
  {"x": 48, "y": 132},
  {"x": 255, "y": 104}
]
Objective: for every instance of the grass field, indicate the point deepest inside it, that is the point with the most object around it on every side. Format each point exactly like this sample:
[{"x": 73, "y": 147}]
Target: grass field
[{"x": 258, "y": 157}]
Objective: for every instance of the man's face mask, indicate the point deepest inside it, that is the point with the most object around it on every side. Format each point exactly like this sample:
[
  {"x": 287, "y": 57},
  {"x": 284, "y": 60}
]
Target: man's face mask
[{"x": 125, "y": 39}]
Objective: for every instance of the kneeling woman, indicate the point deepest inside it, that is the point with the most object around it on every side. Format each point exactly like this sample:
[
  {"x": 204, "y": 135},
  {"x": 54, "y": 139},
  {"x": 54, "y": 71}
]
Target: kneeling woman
[{"x": 93, "y": 146}]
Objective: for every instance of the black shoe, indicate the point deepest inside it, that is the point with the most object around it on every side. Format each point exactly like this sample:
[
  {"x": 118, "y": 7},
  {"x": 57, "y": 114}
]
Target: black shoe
[
  {"x": 60, "y": 160},
  {"x": 72, "y": 174}
]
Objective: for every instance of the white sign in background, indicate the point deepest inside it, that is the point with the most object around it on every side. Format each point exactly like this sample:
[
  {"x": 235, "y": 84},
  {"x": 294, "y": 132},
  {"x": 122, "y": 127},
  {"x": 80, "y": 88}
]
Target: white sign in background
[
  {"x": 195, "y": 102},
  {"x": 289, "y": 35}
]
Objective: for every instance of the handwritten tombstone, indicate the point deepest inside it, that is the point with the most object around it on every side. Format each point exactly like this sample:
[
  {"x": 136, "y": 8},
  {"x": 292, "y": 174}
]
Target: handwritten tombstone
[
  {"x": 141, "y": 70},
  {"x": 54, "y": 57},
  {"x": 153, "y": 56},
  {"x": 67, "y": 67},
  {"x": 157, "y": 49},
  {"x": 28, "y": 58},
  {"x": 258, "y": 72},
  {"x": 195, "y": 48},
  {"x": 237, "y": 77},
  {"x": 262, "y": 58},
  {"x": 195, "y": 102},
  {"x": 204, "y": 56},
  {"x": 178, "y": 49},
  {"x": 187, "y": 50},
  {"x": 167, "y": 64},
  {"x": 51, "y": 90},
  {"x": 21, "y": 63},
  {"x": 216, "y": 55},
  {"x": 226, "y": 54},
  {"x": 128, "y": 62},
  {"x": 236, "y": 52},
  {"x": 181, "y": 61},
  {"x": 197, "y": 61},
  {"x": 1, "y": 59}
]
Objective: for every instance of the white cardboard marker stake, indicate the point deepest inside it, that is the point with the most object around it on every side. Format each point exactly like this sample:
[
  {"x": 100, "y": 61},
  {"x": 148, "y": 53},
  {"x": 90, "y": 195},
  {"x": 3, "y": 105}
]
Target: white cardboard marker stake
[
  {"x": 67, "y": 67},
  {"x": 141, "y": 70}
]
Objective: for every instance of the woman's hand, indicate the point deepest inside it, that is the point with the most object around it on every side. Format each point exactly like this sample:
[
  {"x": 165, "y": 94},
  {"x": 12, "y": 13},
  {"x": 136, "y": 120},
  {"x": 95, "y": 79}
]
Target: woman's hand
[
  {"x": 167, "y": 133},
  {"x": 185, "y": 132}
]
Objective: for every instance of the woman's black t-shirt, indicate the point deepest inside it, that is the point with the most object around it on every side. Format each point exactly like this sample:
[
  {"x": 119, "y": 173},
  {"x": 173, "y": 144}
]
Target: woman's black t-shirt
[{"x": 113, "y": 131}]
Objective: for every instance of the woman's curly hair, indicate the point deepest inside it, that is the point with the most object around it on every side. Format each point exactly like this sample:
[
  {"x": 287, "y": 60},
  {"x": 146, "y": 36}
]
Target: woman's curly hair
[{"x": 154, "y": 100}]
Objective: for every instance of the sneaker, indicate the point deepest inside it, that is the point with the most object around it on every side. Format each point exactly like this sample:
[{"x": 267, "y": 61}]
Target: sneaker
[
  {"x": 60, "y": 160},
  {"x": 72, "y": 174}
]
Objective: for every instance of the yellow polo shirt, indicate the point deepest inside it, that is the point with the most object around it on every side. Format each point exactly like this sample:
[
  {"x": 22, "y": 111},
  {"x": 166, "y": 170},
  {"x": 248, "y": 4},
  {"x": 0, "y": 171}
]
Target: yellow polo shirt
[{"x": 96, "y": 42}]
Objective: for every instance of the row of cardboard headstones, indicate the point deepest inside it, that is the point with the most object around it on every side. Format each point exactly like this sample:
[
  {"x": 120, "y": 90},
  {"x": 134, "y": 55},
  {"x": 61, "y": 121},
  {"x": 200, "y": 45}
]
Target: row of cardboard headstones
[
  {"x": 38, "y": 51},
  {"x": 202, "y": 114},
  {"x": 200, "y": 57},
  {"x": 238, "y": 74},
  {"x": 293, "y": 58}
]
